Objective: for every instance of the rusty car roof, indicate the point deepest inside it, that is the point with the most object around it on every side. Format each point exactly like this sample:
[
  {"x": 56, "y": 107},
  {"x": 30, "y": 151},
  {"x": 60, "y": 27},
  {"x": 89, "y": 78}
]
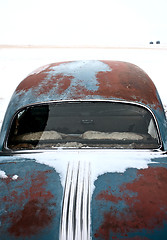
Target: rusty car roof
[
  {"x": 87, "y": 80},
  {"x": 90, "y": 80}
]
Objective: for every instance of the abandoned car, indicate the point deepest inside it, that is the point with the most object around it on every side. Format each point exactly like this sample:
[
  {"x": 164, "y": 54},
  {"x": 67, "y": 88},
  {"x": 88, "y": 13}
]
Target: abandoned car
[{"x": 83, "y": 155}]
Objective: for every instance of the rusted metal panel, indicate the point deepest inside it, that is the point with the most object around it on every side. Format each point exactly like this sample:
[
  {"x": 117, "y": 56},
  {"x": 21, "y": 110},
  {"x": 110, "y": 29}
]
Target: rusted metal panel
[
  {"x": 83, "y": 80},
  {"x": 95, "y": 79},
  {"x": 132, "y": 205},
  {"x": 90, "y": 194},
  {"x": 30, "y": 206},
  {"x": 85, "y": 194}
]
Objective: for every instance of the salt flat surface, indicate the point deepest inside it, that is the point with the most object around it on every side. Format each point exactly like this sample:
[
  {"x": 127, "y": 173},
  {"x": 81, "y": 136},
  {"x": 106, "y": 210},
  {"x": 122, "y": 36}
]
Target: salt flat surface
[{"x": 17, "y": 63}]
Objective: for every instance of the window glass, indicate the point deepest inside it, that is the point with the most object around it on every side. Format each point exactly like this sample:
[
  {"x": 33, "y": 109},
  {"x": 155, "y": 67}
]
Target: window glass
[{"x": 83, "y": 124}]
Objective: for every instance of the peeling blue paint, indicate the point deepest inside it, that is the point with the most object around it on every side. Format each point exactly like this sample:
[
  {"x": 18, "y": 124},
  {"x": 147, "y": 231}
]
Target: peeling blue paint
[{"x": 83, "y": 73}]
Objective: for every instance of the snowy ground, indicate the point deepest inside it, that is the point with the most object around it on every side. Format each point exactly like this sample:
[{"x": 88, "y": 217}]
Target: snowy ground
[{"x": 17, "y": 63}]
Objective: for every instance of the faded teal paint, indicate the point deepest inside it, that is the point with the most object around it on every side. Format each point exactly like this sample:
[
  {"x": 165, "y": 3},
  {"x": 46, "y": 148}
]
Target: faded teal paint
[
  {"x": 30, "y": 206},
  {"x": 124, "y": 204},
  {"x": 130, "y": 204}
]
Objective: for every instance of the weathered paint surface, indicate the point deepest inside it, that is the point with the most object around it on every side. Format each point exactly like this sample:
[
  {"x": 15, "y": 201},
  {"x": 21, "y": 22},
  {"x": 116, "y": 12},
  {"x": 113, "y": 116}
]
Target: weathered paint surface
[
  {"x": 83, "y": 80},
  {"x": 83, "y": 194},
  {"x": 133, "y": 205},
  {"x": 103, "y": 194},
  {"x": 30, "y": 206}
]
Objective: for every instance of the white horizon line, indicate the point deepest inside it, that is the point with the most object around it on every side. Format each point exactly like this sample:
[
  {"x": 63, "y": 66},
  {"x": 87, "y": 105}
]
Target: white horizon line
[{"x": 132, "y": 46}]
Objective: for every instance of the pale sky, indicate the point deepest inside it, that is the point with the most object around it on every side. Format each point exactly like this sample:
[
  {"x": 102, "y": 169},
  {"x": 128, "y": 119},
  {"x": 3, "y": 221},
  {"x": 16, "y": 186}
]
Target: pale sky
[{"x": 83, "y": 22}]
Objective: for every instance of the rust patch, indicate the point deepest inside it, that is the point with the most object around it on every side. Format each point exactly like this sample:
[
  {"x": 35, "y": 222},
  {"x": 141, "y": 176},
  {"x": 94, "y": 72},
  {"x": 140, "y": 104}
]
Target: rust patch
[
  {"x": 28, "y": 207},
  {"x": 129, "y": 82},
  {"x": 145, "y": 210},
  {"x": 31, "y": 189},
  {"x": 133, "y": 238},
  {"x": 39, "y": 80},
  {"x": 80, "y": 92},
  {"x": 43, "y": 86},
  {"x": 63, "y": 83},
  {"x": 108, "y": 196},
  {"x": 32, "y": 81},
  {"x": 31, "y": 219}
]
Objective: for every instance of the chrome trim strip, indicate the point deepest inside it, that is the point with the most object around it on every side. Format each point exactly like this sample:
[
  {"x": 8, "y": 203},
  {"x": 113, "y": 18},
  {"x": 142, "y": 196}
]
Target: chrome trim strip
[{"x": 75, "y": 222}]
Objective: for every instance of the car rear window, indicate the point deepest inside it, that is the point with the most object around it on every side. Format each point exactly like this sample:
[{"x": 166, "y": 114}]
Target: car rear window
[{"x": 83, "y": 124}]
